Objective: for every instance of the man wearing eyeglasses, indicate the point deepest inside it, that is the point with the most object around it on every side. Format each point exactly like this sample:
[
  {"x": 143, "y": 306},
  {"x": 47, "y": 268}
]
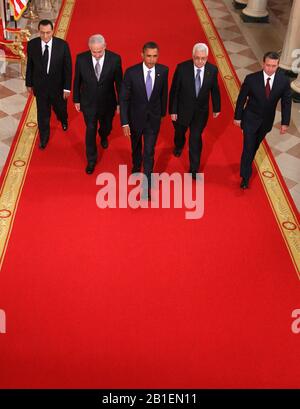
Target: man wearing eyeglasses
[{"x": 193, "y": 83}]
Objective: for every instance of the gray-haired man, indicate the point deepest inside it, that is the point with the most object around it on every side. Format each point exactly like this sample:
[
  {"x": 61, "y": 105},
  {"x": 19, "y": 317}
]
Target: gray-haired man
[
  {"x": 98, "y": 77},
  {"x": 193, "y": 83}
]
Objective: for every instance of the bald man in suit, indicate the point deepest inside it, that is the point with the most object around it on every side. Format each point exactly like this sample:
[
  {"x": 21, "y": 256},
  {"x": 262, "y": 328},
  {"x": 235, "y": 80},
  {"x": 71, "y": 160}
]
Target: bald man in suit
[{"x": 97, "y": 83}]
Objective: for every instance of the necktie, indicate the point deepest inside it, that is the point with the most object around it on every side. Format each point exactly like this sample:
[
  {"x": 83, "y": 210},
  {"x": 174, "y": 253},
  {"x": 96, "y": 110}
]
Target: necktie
[
  {"x": 149, "y": 84},
  {"x": 45, "y": 58},
  {"x": 198, "y": 82},
  {"x": 268, "y": 88},
  {"x": 97, "y": 70}
]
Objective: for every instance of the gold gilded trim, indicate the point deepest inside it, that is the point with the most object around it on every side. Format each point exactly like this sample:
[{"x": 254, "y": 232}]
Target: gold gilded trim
[
  {"x": 64, "y": 20},
  {"x": 15, "y": 176},
  {"x": 20, "y": 159},
  {"x": 280, "y": 204}
]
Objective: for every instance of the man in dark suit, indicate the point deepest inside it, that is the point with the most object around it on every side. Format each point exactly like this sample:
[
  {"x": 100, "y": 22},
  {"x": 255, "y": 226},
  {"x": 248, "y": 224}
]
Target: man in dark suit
[
  {"x": 256, "y": 106},
  {"x": 98, "y": 78},
  {"x": 143, "y": 103},
  {"x": 49, "y": 77},
  {"x": 193, "y": 83}
]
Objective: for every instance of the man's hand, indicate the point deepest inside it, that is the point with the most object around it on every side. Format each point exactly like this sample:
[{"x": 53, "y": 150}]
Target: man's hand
[
  {"x": 283, "y": 129},
  {"x": 77, "y": 106},
  {"x": 118, "y": 109},
  {"x": 237, "y": 122},
  {"x": 216, "y": 114},
  {"x": 66, "y": 94},
  {"x": 174, "y": 117},
  {"x": 126, "y": 130}
]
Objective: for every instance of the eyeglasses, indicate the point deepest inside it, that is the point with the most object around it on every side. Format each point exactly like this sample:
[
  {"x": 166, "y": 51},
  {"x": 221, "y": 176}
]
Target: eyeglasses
[{"x": 200, "y": 58}]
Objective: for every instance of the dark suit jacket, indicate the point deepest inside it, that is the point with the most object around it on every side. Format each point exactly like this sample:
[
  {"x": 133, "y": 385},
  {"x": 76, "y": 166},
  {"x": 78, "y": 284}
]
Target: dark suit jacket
[
  {"x": 183, "y": 100},
  {"x": 258, "y": 112},
  {"x": 97, "y": 96},
  {"x": 60, "y": 70},
  {"x": 136, "y": 110}
]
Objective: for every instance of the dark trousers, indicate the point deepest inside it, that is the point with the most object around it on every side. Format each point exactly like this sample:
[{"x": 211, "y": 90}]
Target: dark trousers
[
  {"x": 91, "y": 121},
  {"x": 251, "y": 144},
  {"x": 44, "y": 102},
  {"x": 195, "y": 142},
  {"x": 147, "y": 156}
]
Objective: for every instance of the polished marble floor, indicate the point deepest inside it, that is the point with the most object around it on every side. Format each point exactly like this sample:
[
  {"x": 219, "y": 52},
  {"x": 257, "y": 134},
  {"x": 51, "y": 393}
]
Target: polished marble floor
[{"x": 245, "y": 43}]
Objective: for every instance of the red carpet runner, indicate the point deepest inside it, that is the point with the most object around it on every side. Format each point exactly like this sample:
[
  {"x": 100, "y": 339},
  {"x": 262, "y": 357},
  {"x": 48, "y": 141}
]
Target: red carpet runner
[{"x": 122, "y": 298}]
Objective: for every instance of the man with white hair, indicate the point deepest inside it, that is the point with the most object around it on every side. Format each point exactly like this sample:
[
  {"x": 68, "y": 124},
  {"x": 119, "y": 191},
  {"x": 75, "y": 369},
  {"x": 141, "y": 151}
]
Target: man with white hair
[
  {"x": 98, "y": 78},
  {"x": 193, "y": 82}
]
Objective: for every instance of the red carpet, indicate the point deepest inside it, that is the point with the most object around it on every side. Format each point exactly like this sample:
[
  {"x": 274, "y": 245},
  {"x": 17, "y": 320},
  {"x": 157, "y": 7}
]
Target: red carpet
[{"x": 122, "y": 298}]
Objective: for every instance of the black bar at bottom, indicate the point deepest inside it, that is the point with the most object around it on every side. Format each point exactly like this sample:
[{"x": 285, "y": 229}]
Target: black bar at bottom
[{"x": 147, "y": 398}]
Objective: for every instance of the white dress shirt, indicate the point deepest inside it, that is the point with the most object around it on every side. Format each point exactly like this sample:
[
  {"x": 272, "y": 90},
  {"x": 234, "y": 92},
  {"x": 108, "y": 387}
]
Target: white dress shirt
[
  {"x": 101, "y": 62},
  {"x": 152, "y": 74},
  {"x": 271, "y": 80},
  {"x": 201, "y": 73},
  {"x": 49, "y": 44}
]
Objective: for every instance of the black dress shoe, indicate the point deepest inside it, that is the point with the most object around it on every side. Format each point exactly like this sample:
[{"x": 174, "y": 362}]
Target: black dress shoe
[
  {"x": 194, "y": 174},
  {"x": 64, "y": 126},
  {"x": 90, "y": 168},
  {"x": 43, "y": 144},
  {"x": 244, "y": 183},
  {"x": 104, "y": 143},
  {"x": 177, "y": 152}
]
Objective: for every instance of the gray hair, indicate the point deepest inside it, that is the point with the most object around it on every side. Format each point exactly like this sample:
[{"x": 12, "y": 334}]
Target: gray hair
[
  {"x": 200, "y": 47},
  {"x": 96, "y": 39}
]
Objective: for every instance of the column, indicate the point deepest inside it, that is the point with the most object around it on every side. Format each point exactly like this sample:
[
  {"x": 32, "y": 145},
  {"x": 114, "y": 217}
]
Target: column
[
  {"x": 295, "y": 85},
  {"x": 292, "y": 39},
  {"x": 255, "y": 12},
  {"x": 240, "y": 4}
]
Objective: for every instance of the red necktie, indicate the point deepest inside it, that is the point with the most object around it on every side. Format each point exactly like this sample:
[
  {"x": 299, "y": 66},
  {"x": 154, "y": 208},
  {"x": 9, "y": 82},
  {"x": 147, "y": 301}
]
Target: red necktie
[{"x": 268, "y": 89}]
